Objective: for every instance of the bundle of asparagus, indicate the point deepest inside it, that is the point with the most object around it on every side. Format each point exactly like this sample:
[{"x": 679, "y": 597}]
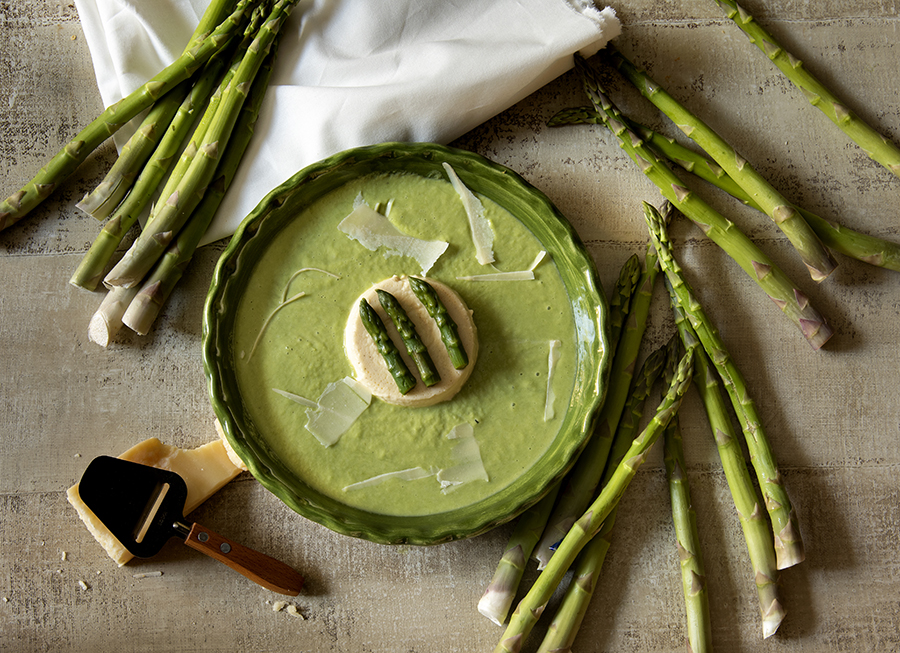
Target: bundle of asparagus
[
  {"x": 567, "y": 620},
  {"x": 590, "y": 523},
  {"x": 630, "y": 304},
  {"x": 852, "y": 244},
  {"x": 769, "y": 524},
  {"x": 755, "y": 263},
  {"x": 212, "y": 35},
  {"x": 201, "y": 113}
]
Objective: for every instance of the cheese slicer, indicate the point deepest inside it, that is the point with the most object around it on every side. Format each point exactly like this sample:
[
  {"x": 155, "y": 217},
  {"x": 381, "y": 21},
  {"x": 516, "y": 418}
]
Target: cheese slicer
[{"x": 143, "y": 507}]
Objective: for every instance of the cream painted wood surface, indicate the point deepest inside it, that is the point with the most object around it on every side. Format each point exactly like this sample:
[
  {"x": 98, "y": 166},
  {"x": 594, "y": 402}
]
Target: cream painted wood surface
[{"x": 834, "y": 416}]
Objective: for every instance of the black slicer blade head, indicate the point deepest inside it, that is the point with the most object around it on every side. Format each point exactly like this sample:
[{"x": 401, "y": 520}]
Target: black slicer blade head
[{"x": 138, "y": 504}]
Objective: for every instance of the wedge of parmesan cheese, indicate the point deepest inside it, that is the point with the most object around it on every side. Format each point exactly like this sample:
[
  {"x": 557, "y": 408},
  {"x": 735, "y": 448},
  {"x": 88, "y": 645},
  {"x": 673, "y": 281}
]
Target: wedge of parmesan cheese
[{"x": 204, "y": 469}]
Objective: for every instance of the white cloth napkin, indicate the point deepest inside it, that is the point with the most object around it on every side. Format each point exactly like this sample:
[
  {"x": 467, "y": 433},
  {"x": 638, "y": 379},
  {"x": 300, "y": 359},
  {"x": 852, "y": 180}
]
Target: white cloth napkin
[{"x": 359, "y": 72}]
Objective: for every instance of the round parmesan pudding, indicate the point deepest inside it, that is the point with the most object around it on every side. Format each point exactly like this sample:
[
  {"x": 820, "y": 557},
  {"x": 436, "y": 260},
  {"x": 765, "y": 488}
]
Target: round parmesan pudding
[
  {"x": 369, "y": 367},
  {"x": 309, "y": 371}
]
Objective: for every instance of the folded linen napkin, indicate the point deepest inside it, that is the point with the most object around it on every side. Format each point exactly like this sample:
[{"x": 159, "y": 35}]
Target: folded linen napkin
[{"x": 358, "y": 72}]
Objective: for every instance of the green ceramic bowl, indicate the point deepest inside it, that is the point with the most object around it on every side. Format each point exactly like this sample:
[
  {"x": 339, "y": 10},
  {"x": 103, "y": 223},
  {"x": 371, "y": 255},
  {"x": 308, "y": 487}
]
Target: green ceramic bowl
[{"x": 491, "y": 180}]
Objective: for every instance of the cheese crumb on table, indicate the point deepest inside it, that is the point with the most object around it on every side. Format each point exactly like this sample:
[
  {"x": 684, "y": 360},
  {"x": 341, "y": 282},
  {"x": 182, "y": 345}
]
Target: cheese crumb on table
[
  {"x": 284, "y": 606},
  {"x": 147, "y": 574}
]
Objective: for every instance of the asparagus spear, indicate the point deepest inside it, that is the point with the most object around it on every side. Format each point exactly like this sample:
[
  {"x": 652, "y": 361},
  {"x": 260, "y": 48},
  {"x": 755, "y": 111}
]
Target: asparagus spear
[
  {"x": 105, "y": 197},
  {"x": 438, "y": 312},
  {"x": 189, "y": 152},
  {"x": 583, "y": 530},
  {"x": 755, "y": 526},
  {"x": 155, "y": 290},
  {"x": 107, "y": 319},
  {"x": 817, "y": 259},
  {"x": 759, "y": 267},
  {"x": 388, "y": 350},
  {"x": 93, "y": 264},
  {"x": 499, "y": 594},
  {"x": 170, "y": 216},
  {"x": 878, "y": 147},
  {"x": 693, "y": 576},
  {"x": 582, "y": 481},
  {"x": 109, "y": 121},
  {"x": 620, "y": 300},
  {"x": 569, "y": 615},
  {"x": 407, "y": 330},
  {"x": 853, "y": 244},
  {"x": 788, "y": 543}
]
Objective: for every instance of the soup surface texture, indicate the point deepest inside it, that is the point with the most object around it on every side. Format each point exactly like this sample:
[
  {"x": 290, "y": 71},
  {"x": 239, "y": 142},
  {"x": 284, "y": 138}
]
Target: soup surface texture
[{"x": 295, "y": 347}]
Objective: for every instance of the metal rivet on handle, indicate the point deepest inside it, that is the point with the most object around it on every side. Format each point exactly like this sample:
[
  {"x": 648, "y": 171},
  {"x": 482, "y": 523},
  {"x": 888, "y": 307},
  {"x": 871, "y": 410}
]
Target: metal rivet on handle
[
  {"x": 225, "y": 547},
  {"x": 203, "y": 537}
]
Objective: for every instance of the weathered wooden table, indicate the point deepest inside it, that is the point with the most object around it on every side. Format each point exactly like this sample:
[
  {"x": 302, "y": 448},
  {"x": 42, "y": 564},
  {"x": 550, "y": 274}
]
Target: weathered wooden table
[{"x": 834, "y": 415}]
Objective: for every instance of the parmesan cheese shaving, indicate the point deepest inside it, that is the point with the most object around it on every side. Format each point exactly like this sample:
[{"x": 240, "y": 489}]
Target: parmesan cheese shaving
[
  {"x": 296, "y": 274},
  {"x": 265, "y": 325},
  {"x": 374, "y": 231},
  {"x": 411, "y": 474},
  {"x": 303, "y": 401},
  {"x": 469, "y": 466},
  {"x": 553, "y": 359},
  {"x": 482, "y": 234},
  {"x": 518, "y": 275},
  {"x": 336, "y": 410},
  {"x": 537, "y": 260}
]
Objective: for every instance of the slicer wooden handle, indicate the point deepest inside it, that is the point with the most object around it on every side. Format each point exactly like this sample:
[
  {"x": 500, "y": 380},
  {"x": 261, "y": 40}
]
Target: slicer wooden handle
[{"x": 258, "y": 567}]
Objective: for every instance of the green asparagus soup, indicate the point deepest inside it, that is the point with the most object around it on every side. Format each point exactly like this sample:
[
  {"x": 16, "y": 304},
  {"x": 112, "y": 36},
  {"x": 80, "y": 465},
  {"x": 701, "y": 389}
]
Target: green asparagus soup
[{"x": 391, "y": 459}]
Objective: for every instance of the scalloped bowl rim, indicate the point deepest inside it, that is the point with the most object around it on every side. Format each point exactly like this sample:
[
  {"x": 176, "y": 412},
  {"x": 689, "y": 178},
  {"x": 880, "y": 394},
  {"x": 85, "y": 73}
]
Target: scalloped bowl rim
[{"x": 580, "y": 278}]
